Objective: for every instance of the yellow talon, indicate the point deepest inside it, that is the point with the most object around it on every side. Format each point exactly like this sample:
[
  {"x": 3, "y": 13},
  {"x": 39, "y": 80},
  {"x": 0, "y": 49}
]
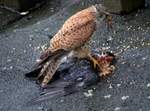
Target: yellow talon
[{"x": 95, "y": 62}]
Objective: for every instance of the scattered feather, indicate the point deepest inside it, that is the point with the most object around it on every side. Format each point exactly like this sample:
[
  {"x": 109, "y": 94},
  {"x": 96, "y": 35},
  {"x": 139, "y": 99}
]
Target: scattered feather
[
  {"x": 107, "y": 96},
  {"x": 124, "y": 97},
  {"x": 24, "y": 13},
  {"x": 11, "y": 67},
  {"x": 89, "y": 93},
  {"x": 118, "y": 85},
  {"x": 148, "y": 85},
  {"x": 117, "y": 109}
]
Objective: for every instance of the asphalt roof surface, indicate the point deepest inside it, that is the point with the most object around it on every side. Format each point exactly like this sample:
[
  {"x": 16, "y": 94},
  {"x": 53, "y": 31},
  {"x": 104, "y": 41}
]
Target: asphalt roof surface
[{"x": 128, "y": 89}]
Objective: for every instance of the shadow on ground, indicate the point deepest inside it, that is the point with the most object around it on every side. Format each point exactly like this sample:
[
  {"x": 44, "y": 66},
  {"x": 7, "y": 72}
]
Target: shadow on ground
[{"x": 127, "y": 90}]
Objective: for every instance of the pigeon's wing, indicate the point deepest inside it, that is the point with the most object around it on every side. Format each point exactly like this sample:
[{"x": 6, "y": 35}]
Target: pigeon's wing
[
  {"x": 34, "y": 73},
  {"x": 58, "y": 88}
]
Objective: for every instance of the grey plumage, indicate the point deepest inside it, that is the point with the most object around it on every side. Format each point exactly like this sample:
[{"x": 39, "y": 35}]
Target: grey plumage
[{"x": 74, "y": 77}]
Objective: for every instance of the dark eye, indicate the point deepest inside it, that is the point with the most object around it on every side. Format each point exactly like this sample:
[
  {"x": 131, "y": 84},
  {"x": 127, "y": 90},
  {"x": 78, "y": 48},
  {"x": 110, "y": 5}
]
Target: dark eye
[{"x": 100, "y": 15}]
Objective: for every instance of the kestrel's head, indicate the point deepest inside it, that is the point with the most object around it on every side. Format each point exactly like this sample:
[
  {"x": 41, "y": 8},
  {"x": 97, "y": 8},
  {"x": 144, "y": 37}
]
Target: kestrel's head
[
  {"x": 101, "y": 10},
  {"x": 104, "y": 13}
]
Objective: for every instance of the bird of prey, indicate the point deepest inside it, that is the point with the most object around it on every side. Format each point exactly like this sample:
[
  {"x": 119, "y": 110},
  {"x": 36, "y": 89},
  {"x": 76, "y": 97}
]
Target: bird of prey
[{"x": 70, "y": 41}]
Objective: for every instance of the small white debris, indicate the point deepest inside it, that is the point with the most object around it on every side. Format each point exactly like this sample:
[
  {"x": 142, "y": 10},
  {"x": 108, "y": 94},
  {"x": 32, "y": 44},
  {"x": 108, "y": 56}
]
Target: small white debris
[
  {"x": 37, "y": 48},
  {"x": 136, "y": 47},
  {"x": 117, "y": 109},
  {"x": 40, "y": 107},
  {"x": 136, "y": 15},
  {"x": 148, "y": 97},
  {"x": 9, "y": 60},
  {"x": 132, "y": 82},
  {"x": 128, "y": 47},
  {"x": 118, "y": 85},
  {"x": 4, "y": 68},
  {"x": 52, "y": 9},
  {"x": 81, "y": 84},
  {"x": 110, "y": 86},
  {"x": 148, "y": 85},
  {"x": 47, "y": 29},
  {"x": 43, "y": 47},
  {"x": 107, "y": 96},
  {"x": 38, "y": 23},
  {"x": 24, "y": 13},
  {"x": 24, "y": 51},
  {"x": 128, "y": 28},
  {"x": 80, "y": 78},
  {"x": 114, "y": 32},
  {"x": 144, "y": 58},
  {"x": 140, "y": 28},
  {"x": 13, "y": 48},
  {"x": 31, "y": 38},
  {"x": 30, "y": 45},
  {"x": 110, "y": 38},
  {"x": 123, "y": 62},
  {"x": 143, "y": 44},
  {"x": 38, "y": 60},
  {"x": 107, "y": 48},
  {"x": 11, "y": 67},
  {"x": 61, "y": 100},
  {"x": 14, "y": 30},
  {"x": 124, "y": 97},
  {"x": 89, "y": 93},
  {"x": 18, "y": 60},
  {"x": 94, "y": 88}
]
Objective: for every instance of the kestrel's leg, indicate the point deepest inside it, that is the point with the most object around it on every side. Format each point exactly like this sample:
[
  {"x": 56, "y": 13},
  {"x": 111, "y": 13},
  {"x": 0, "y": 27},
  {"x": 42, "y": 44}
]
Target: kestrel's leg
[
  {"x": 85, "y": 53},
  {"x": 106, "y": 63},
  {"x": 94, "y": 61},
  {"x": 99, "y": 62}
]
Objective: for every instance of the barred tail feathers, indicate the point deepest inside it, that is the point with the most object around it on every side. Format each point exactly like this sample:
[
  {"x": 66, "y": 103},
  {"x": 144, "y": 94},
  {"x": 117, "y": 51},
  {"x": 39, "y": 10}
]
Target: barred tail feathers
[{"x": 49, "y": 70}]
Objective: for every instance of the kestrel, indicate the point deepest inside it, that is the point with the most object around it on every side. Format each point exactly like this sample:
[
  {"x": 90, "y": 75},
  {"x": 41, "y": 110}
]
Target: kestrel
[{"x": 70, "y": 40}]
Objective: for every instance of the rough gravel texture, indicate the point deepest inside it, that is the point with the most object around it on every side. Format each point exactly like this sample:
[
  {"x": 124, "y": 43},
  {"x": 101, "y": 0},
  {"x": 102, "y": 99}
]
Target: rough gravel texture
[{"x": 128, "y": 89}]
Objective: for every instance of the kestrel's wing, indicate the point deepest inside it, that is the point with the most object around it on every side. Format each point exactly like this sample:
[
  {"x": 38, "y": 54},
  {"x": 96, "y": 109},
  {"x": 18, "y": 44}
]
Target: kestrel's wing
[{"x": 75, "y": 32}]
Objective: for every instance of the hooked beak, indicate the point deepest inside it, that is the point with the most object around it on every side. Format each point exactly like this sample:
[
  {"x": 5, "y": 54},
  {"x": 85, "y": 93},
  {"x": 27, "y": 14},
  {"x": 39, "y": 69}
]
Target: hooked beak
[{"x": 106, "y": 13}]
